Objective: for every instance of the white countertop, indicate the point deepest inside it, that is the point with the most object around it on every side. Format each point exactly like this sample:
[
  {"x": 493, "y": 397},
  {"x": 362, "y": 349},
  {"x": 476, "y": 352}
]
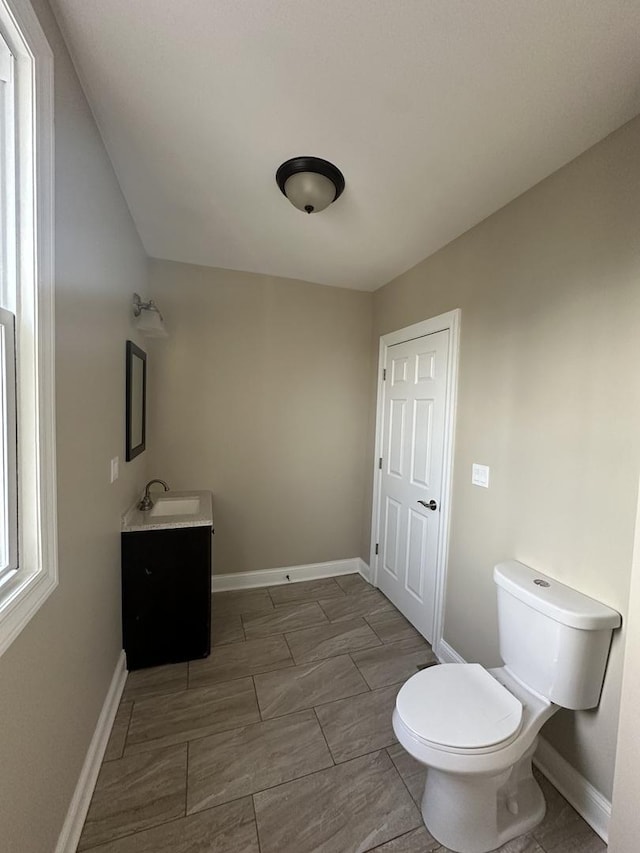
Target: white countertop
[{"x": 134, "y": 520}]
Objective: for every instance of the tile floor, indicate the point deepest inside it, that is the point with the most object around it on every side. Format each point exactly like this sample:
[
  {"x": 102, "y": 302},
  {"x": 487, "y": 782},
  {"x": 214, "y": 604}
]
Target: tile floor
[{"x": 281, "y": 740}]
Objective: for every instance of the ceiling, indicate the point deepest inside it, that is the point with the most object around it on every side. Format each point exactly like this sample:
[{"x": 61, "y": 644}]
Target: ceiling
[{"x": 438, "y": 112}]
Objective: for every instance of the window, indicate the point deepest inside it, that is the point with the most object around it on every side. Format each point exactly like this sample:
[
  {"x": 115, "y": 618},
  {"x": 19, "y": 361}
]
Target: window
[
  {"x": 8, "y": 445},
  {"x": 28, "y": 546}
]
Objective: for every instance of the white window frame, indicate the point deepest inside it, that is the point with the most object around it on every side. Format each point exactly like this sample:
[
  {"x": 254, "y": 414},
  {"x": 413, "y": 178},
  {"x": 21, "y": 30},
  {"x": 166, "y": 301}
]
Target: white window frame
[
  {"x": 28, "y": 292},
  {"x": 9, "y": 554}
]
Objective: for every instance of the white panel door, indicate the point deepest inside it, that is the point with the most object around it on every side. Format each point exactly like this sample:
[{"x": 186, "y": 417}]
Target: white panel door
[{"x": 411, "y": 478}]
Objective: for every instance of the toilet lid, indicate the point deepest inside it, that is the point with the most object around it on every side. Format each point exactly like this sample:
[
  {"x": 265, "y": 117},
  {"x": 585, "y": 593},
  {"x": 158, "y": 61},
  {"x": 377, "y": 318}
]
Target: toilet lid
[{"x": 459, "y": 706}]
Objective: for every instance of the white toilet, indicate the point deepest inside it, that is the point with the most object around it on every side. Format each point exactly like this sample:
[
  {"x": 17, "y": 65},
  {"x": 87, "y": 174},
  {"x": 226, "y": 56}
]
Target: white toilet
[{"x": 476, "y": 729}]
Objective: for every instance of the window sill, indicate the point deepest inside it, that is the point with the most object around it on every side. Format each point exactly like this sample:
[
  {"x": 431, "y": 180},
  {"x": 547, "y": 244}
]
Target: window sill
[{"x": 22, "y": 596}]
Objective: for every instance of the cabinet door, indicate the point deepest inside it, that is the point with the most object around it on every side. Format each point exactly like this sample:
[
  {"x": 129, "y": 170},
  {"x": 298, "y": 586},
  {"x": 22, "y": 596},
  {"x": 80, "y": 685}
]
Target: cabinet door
[{"x": 166, "y": 595}]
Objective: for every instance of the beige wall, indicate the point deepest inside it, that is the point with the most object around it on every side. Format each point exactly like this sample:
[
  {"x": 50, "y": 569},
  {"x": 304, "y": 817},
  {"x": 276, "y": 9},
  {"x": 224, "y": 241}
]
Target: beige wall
[
  {"x": 549, "y": 289},
  {"x": 625, "y": 817},
  {"x": 261, "y": 394},
  {"x": 54, "y": 677}
]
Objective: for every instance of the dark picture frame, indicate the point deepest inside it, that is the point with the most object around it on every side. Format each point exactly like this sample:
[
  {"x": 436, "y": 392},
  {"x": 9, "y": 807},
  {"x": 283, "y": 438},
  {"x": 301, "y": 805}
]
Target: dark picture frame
[{"x": 136, "y": 401}]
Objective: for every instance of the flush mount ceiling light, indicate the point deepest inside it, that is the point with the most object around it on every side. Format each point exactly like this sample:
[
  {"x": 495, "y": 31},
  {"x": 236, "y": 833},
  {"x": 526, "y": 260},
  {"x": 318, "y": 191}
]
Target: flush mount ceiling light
[{"x": 310, "y": 183}]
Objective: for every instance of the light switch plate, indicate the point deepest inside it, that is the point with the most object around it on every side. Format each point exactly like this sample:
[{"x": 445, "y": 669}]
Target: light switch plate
[
  {"x": 115, "y": 464},
  {"x": 480, "y": 475}
]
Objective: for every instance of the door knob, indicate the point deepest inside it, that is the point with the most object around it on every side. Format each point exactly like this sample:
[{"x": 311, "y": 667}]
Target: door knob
[{"x": 429, "y": 504}]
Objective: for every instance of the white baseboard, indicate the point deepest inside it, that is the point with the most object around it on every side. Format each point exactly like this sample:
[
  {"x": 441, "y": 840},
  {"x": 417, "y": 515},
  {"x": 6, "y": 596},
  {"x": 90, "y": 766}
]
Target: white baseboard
[
  {"x": 365, "y": 571},
  {"x": 289, "y": 574},
  {"x": 74, "y": 821},
  {"x": 447, "y": 654},
  {"x": 586, "y": 800}
]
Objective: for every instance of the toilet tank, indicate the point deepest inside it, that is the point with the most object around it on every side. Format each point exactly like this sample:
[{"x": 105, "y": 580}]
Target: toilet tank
[{"x": 553, "y": 638}]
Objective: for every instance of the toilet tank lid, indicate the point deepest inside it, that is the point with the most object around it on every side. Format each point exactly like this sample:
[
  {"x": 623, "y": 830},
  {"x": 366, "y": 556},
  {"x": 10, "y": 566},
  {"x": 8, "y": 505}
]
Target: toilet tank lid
[{"x": 554, "y": 599}]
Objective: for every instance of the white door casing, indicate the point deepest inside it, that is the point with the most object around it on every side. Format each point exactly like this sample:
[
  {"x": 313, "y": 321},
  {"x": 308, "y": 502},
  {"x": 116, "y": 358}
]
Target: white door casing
[{"x": 414, "y": 440}]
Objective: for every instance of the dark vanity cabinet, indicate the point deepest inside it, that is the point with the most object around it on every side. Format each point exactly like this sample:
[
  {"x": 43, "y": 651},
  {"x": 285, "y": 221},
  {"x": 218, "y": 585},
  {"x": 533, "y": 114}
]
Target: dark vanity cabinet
[{"x": 166, "y": 595}]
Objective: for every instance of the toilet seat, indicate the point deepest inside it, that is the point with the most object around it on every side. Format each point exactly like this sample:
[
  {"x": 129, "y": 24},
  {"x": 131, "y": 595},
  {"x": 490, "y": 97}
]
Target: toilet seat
[{"x": 459, "y": 708}]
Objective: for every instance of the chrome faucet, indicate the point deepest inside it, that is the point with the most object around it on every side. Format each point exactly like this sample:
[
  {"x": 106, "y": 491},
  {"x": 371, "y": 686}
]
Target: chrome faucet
[{"x": 146, "y": 503}]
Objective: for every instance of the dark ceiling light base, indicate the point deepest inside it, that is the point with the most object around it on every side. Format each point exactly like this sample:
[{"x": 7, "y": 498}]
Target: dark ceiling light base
[{"x": 310, "y": 183}]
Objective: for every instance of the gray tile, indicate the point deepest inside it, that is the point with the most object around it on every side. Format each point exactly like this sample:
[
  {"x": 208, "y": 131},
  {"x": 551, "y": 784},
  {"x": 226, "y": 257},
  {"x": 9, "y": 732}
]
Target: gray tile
[
  {"x": 164, "y": 720},
  {"x": 140, "y": 800},
  {"x": 563, "y": 830},
  {"x": 392, "y": 627},
  {"x": 360, "y": 724},
  {"x": 155, "y": 681},
  {"x": 417, "y": 841},
  {"x": 227, "y": 766},
  {"x": 585, "y": 840},
  {"x": 305, "y": 591},
  {"x": 238, "y": 660},
  {"x": 351, "y": 606},
  {"x": 118, "y": 735},
  {"x": 522, "y": 844},
  {"x": 414, "y": 774},
  {"x": 242, "y": 601},
  {"x": 393, "y": 663},
  {"x": 286, "y": 617},
  {"x": 230, "y": 828},
  {"x": 226, "y": 629},
  {"x": 326, "y": 641},
  {"x": 353, "y": 584},
  {"x": 136, "y": 793},
  {"x": 351, "y": 807},
  {"x": 310, "y": 684}
]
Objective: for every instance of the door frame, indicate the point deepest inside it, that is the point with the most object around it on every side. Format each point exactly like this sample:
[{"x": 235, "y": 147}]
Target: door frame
[{"x": 451, "y": 321}]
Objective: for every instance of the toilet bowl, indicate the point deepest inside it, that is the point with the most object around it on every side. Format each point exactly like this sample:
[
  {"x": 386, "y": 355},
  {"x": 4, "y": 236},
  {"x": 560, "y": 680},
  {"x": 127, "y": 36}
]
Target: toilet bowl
[{"x": 476, "y": 729}]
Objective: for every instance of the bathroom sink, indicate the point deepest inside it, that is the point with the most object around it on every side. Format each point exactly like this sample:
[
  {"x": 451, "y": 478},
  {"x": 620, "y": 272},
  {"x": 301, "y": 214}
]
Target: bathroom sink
[
  {"x": 188, "y": 508},
  {"x": 175, "y": 506}
]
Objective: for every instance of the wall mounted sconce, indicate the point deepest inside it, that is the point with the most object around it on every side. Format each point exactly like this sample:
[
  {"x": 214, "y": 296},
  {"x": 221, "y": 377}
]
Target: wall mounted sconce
[
  {"x": 310, "y": 183},
  {"x": 148, "y": 319}
]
